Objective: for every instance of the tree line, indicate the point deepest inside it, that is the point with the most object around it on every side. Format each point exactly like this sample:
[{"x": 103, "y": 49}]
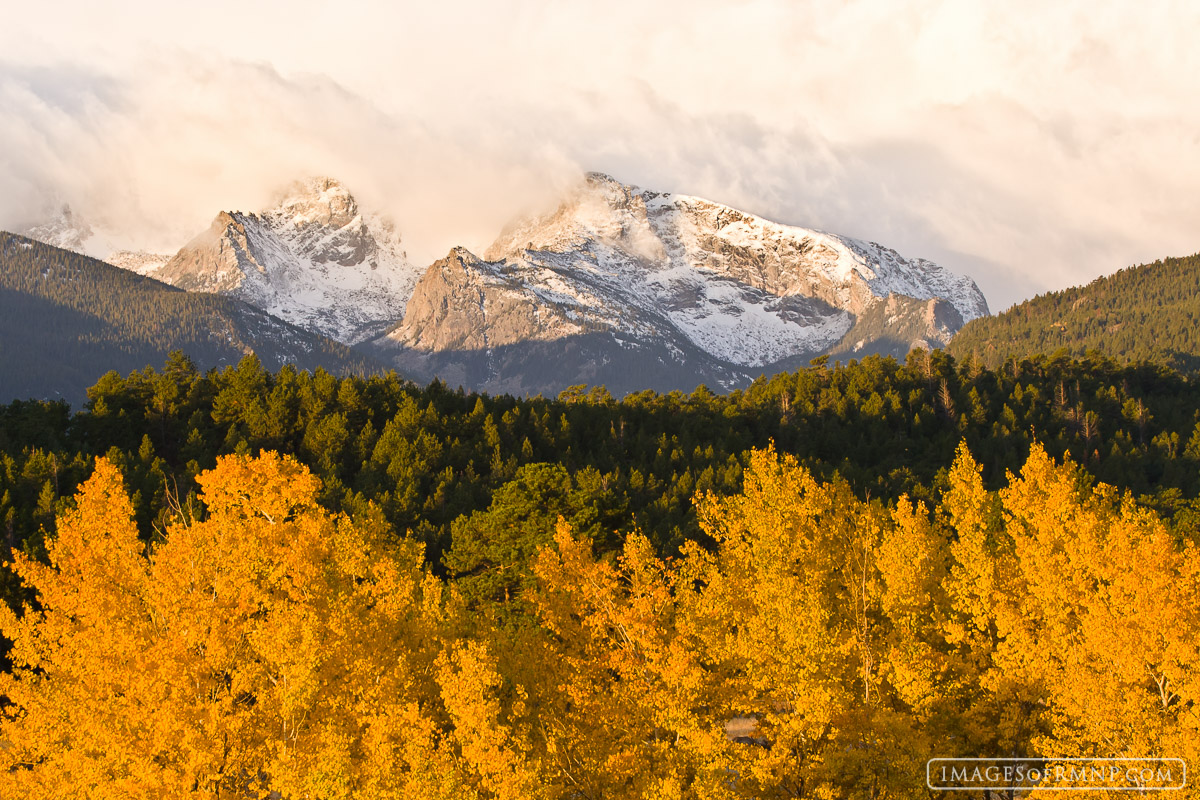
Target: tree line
[{"x": 479, "y": 478}]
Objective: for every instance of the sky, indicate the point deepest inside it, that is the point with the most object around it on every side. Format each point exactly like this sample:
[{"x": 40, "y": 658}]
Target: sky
[{"x": 1029, "y": 145}]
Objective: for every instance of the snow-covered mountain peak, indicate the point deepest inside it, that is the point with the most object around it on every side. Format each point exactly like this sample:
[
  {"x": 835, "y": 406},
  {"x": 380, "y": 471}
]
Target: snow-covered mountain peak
[
  {"x": 692, "y": 284},
  {"x": 461, "y": 254},
  {"x": 616, "y": 195},
  {"x": 322, "y": 221},
  {"x": 613, "y": 223},
  {"x": 315, "y": 259},
  {"x": 599, "y": 211},
  {"x": 71, "y": 231},
  {"x": 66, "y": 230},
  {"x": 321, "y": 201}
]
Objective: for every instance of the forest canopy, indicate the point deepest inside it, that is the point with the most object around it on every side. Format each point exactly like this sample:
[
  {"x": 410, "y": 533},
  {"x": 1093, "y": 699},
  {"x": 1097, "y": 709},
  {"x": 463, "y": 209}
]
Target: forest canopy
[
  {"x": 1146, "y": 312},
  {"x": 240, "y": 582}
]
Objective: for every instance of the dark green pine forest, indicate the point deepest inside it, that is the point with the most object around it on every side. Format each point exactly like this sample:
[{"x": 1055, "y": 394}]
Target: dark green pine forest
[
  {"x": 482, "y": 480},
  {"x": 1147, "y": 312}
]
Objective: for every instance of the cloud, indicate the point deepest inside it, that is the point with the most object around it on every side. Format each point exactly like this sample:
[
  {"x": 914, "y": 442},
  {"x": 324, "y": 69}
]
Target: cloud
[
  {"x": 1032, "y": 147},
  {"x": 156, "y": 155}
]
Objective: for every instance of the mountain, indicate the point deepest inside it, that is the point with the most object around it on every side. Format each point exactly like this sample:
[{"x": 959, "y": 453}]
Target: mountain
[
  {"x": 138, "y": 261},
  {"x": 315, "y": 260},
  {"x": 1146, "y": 312},
  {"x": 70, "y": 231},
  {"x": 640, "y": 289},
  {"x": 66, "y": 319}
]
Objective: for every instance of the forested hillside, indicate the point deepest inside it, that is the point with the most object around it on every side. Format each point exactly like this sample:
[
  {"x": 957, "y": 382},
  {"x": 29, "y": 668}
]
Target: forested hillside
[
  {"x": 1148, "y": 312},
  {"x": 66, "y": 319},
  {"x": 480, "y": 480}
]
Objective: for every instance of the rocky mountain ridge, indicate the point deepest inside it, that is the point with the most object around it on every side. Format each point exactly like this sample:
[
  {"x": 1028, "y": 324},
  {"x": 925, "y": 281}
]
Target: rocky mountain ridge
[
  {"x": 618, "y": 284},
  {"x": 693, "y": 285}
]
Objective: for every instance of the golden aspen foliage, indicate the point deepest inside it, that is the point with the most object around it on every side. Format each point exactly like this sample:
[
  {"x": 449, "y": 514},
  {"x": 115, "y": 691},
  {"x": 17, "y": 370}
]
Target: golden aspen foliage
[
  {"x": 267, "y": 647},
  {"x": 85, "y": 672},
  {"x": 1110, "y": 611},
  {"x": 822, "y": 646},
  {"x": 973, "y": 577},
  {"x": 622, "y": 696},
  {"x": 922, "y": 683},
  {"x": 1075, "y": 618},
  {"x": 789, "y": 614},
  {"x": 912, "y": 559},
  {"x": 1000, "y": 711},
  {"x": 492, "y": 740}
]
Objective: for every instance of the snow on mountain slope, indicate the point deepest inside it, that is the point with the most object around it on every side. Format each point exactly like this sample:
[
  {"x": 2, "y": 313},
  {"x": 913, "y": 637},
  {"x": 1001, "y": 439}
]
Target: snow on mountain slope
[
  {"x": 314, "y": 259},
  {"x": 700, "y": 279},
  {"x": 138, "y": 261}
]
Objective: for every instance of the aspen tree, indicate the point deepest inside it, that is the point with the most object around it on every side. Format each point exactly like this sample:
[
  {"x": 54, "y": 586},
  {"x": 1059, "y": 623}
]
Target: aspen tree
[{"x": 267, "y": 647}]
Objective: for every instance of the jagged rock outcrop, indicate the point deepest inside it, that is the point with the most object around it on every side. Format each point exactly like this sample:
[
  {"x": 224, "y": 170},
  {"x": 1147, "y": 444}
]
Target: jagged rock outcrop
[
  {"x": 315, "y": 259},
  {"x": 465, "y": 303}
]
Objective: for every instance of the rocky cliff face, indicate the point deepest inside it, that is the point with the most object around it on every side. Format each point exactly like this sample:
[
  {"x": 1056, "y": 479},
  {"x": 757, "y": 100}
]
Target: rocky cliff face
[
  {"x": 706, "y": 292},
  {"x": 465, "y": 303},
  {"x": 314, "y": 259},
  {"x": 218, "y": 260}
]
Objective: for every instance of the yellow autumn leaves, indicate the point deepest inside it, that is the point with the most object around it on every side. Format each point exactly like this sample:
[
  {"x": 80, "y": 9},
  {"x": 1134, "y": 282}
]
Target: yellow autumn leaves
[
  {"x": 273, "y": 649},
  {"x": 267, "y": 647}
]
